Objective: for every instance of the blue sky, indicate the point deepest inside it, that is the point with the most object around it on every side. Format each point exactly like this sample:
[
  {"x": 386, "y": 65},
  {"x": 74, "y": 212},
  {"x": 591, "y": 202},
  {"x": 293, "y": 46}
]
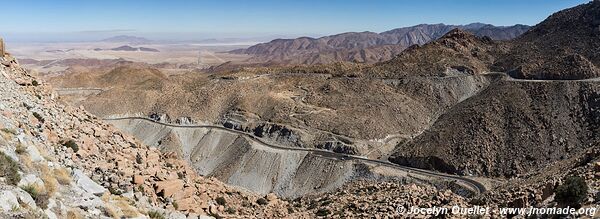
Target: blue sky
[{"x": 239, "y": 18}]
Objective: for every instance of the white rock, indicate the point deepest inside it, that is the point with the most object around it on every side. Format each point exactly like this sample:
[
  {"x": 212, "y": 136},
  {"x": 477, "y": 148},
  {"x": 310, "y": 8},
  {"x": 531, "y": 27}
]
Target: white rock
[
  {"x": 94, "y": 211},
  {"x": 50, "y": 214},
  {"x": 11, "y": 153},
  {"x": 51, "y": 203},
  {"x": 177, "y": 215},
  {"x": 206, "y": 217},
  {"x": 128, "y": 194},
  {"x": 30, "y": 179},
  {"x": 87, "y": 184},
  {"x": 24, "y": 197},
  {"x": 8, "y": 200},
  {"x": 34, "y": 154},
  {"x": 21, "y": 138},
  {"x": 192, "y": 216}
]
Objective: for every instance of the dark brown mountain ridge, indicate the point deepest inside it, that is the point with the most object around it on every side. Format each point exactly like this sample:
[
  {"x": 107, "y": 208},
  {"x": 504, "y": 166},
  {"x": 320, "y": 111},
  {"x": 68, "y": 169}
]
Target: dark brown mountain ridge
[{"x": 365, "y": 47}]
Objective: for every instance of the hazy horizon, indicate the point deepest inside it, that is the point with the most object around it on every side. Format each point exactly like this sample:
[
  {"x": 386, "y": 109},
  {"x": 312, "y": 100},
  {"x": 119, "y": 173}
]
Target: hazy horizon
[{"x": 66, "y": 20}]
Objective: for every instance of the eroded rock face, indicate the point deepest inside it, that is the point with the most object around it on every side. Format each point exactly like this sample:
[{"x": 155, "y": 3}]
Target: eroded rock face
[{"x": 239, "y": 161}]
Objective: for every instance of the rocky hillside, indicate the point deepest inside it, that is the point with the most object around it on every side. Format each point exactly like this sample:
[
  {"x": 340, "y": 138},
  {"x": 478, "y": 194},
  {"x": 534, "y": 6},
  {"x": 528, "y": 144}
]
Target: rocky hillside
[
  {"x": 514, "y": 126},
  {"x": 365, "y": 47},
  {"x": 511, "y": 128},
  {"x": 564, "y": 46},
  {"x": 62, "y": 162},
  {"x": 456, "y": 53},
  {"x": 57, "y": 161}
]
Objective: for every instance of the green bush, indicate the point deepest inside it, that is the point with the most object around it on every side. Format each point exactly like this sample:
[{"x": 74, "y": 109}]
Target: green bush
[
  {"x": 41, "y": 199},
  {"x": 323, "y": 212},
  {"x": 262, "y": 201},
  {"x": 9, "y": 169},
  {"x": 155, "y": 215},
  {"x": 35, "y": 83},
  {"x": 572, "y": 192},
  {"x": 221, "y": 201}
]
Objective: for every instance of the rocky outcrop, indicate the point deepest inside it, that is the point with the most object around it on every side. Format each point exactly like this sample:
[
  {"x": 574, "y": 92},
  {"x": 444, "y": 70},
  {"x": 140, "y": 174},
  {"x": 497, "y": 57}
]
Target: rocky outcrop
[{"x": 2, "y": 53}]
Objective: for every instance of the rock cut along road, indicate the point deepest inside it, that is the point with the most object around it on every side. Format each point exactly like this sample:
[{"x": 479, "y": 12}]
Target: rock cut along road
[{"x": 471, "y": 183}]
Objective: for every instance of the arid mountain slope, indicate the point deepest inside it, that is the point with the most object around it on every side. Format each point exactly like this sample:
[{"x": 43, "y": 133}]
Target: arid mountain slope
[
  {"x": 62, "y": 162},
  {"x": 354, "y": 46},
  {"x": 456, "y": 53},
  {"x": 511, "y": 128},
  {"x": 564, "y": 46},
  {"x": 518, "y": 126},
  {"x": 113, "y": 74},
  {"x": 319, "y": 109}
]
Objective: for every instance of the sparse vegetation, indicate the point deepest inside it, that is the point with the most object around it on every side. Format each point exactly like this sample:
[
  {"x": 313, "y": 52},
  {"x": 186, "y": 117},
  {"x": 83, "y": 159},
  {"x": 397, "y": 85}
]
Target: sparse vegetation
[
  {"x": 9, "y": 131},
  {"x": 38, "y": 117},
  {"x": 73, "y": 214},
  {"x": 70, "y": 144},
  {"x": 20, "y": 149},
  {"x": 115, "y": 191},
  {"x": 175, "y": 205},
  {"x": 41, "y": 198},
  {"x": 230, "y": 210},
  {"x": 110, "y": 211},
  {"x": 62, "y": 176},
  {"x": 572, "y": 192},
  {"x": 155, "y": 215},
  {"x": 15, "y": 208},
  {"x": 50, "y": 183},
  {"x": 9, "y": 169},
  {"x": 262, "y": 201},
  {"x": 221, "y": 201},
  {"x": 126, "y": 208},
  {"x": 323, "y": 212},
  {"x": 35, "y": 83}
]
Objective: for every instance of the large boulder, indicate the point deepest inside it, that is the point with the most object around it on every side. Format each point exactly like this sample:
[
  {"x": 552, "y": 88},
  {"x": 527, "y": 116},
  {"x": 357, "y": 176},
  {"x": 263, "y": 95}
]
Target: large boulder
[{"x": 87, "y": 184}]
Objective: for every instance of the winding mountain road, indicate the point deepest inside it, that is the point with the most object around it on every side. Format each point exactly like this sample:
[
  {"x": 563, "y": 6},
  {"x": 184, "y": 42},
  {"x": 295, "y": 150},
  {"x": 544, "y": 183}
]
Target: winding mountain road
[{"x": 473, "y": 184}]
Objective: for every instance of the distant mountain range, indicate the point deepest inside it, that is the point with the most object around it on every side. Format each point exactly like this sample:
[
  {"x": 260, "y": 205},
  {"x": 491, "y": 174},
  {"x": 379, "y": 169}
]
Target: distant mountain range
[
  {"x": 563, "y": 47},
  {"x": 366, "y": 47},
  {"x": 127, "y": 39},
  {"x": 130, "y": 49}
]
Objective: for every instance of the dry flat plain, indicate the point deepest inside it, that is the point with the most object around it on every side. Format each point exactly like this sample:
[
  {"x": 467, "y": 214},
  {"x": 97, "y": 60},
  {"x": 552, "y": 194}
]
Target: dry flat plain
[{"x": 171, "y": 58}]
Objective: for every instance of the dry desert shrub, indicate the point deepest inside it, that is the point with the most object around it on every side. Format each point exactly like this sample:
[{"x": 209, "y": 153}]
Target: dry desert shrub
[{"x": 62, "y": 175}]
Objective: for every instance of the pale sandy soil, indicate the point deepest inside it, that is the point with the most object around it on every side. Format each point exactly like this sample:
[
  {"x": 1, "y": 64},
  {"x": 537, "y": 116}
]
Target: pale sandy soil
[{"x": 200, "y": 55}]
